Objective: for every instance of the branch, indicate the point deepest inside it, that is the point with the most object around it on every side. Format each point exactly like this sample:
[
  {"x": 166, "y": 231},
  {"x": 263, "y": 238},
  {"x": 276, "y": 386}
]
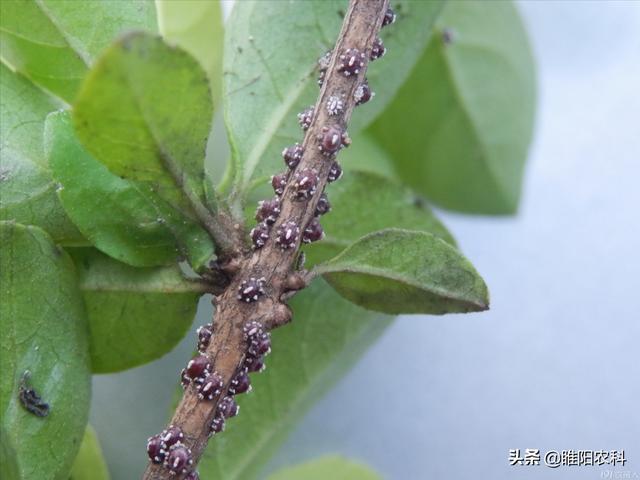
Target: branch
[{"x": 263, "y": 279}]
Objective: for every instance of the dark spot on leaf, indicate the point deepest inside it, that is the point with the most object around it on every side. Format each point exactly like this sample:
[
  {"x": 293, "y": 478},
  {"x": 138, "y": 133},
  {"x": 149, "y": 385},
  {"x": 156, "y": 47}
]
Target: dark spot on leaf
[
  {"x": 239, "y": 49},
  {"x": 4, "y": 174},
  {"x": 448, "y": 36},
  {"x": 30, "y": 399},
  {"x": 341, "y": 13},
  {"x": 419, "y": 202}
]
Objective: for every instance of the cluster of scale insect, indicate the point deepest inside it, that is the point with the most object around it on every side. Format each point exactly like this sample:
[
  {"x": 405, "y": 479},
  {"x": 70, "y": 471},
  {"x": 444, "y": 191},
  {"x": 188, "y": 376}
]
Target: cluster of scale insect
[
  {"x": 167, "y": 448},
  {"x": 257, "y": 342},
  {"x": 331, "y": 139}
]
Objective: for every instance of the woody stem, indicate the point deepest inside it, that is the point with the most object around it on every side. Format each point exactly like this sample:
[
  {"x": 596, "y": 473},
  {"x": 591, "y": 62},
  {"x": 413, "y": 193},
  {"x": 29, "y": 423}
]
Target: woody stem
[{"x": 272, "y": 262}]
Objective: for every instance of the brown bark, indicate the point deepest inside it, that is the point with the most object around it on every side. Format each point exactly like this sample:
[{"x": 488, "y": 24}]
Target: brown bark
[{"x": 360, "y": 28}]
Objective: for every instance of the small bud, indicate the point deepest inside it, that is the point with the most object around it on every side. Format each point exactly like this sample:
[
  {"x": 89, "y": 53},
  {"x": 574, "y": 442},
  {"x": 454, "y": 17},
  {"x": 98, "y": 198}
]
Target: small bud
[
  {"x": 335, "y": 105},
  {"x": 192, "y": 475},
  {"x": 389, "y": 17},
  {"x": 377, "y": 49},
  {"x": 281, "y": 314},
  {"x": 323, "y": 206},
  {"x": 292, "y": 155},
  {"x": 305, "y": 183},
  {"x": 351, "y": 62},
  {"x": 313, "y": 232},
  {"x": 198, "y": 367},
  {"x": 210, "y": 387},
  {"x": 294, "y": 281},
  {"x": 279, "y": 182},
  {"x": 332, "y": 139},
  {"x": 228, "y": 407},
  {"x": 305, "y": 118},
  {"x": 287, "y": 235},
  {"x": 363, "y": 93},
  {"x": 250, "y": 290},
  {"x": 259, "y": 235},
  {"x": 230, "y": 266},
  {"x": 156, "y": 449},
  {"x": 240, "y": 384},
  {"x": 171, "y": 435},
  {"x": 268, "y": 211},
  {"x": 335, "y": 172},
  {"x": 217, "y": 425},
  {"x": 179, "y": 459},
  {"x": 205, "y": 332}
]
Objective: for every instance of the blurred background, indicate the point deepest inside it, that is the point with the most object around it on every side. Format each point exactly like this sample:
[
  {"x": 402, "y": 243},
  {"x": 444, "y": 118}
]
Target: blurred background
[{"x": 555, "y": 364}]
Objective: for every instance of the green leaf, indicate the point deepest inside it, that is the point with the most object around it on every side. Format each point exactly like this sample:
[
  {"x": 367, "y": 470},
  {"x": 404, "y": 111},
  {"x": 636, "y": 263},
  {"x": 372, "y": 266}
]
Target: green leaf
[
  {"x": 366, "y": 202},
  {"x": 403, "y": 271},
  {"x": 123, "y": 218},
  {"x": 90, "y": 26},
  {"x": 197, "y": 27},
  {"x": 126, "y": 120},
  {"x": 8, "y": 464},
  {"x": 89, "y": 464},
  {"x": 311, "y": 354},
  {"x": 460, "y": 127},
  {"x": 44, "y": 331},
  {"x": 27, "y": 191},
  {"x": 54, "y": 42},
  {"x": 269, "y": 78},
  {"x": 145, "y": 112},
  {"x": 33, "y": 45},
  {"x": 135, "y": 314},
  {"x": 367, "y": 156},
  {"x": 331, "y": 466}
]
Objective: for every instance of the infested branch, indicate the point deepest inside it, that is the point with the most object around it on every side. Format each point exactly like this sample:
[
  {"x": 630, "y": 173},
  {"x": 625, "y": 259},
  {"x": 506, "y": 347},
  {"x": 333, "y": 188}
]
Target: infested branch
[{"x": 260, "y": 281}]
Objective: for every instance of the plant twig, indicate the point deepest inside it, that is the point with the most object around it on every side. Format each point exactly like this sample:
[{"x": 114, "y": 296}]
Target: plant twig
[{"x": 273, "y": 267}]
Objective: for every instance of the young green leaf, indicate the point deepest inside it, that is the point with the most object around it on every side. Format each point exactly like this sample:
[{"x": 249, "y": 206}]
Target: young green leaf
[
  {"x": 89, "y": 463},
  {"x": 135, "y": 314},
  {"x": 308, "y": 358},
  {"x": 123, "y": 218},
  {"x": 197, "y": 27},
  {"x": 270, "y": 64},
  {"x": 53, "y": 42},
  {"x": 366, "y": 202},
  {"x": 44, "y": 333},
  {"x": 330, "y": 466},
  {"x": 403, "y": 271},
  {"x": 27, "y": 191},
  {"x": 472, "y": 98},
  {"x": 145, "y": 112}
]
